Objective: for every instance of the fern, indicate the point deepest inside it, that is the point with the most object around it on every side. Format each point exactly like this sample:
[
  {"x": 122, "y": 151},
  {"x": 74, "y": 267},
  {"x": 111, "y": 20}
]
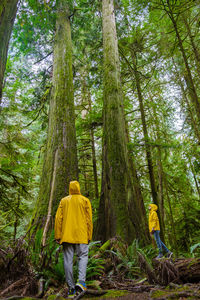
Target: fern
[{"x": 194, "y": 247}]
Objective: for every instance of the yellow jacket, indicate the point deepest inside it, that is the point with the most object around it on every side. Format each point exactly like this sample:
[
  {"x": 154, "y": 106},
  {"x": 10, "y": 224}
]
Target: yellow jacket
[
  {"x": 153, "y": 218},
  {"x": 73, "y": 222}
]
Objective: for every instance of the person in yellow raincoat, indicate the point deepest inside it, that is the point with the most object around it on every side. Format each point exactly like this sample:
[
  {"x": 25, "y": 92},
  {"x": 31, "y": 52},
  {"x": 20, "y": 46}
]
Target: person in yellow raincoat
[
  {"x": 154, "y": 229},
  {"x": 73, "y": 229}
]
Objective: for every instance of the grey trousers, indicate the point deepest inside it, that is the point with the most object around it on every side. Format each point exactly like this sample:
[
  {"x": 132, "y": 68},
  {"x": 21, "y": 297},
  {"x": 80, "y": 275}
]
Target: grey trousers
[{"x": 82, "y": 253}]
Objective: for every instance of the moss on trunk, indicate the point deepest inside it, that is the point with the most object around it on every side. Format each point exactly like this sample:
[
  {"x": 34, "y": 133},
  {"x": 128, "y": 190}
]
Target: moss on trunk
[
  {"x": 8, "y": 9},
  {"x": 61, "y": 142},
  {"x": 118, "y": 211}
]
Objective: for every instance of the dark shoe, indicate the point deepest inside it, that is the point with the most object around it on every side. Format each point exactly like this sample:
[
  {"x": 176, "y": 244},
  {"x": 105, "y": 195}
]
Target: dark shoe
[
  {"x": 81, "y": 285},
  {"x": 71, "y": 293},
  {"x": 160, "y": 255},
  {"x": 169, "y": 254}
]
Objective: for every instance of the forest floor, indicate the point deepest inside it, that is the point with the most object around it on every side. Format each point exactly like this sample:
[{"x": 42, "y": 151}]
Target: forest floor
[
  {"x": 166, "y": 279},
  {"x": 110, "y": 289}
]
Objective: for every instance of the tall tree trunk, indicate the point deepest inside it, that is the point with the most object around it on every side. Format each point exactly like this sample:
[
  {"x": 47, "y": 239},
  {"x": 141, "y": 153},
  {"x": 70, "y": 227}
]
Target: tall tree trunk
[
  {"x": 118, "y": 211},
  {"x": 174, "y": 240},
  {"x": 160, "y": 185},
  {"x": 189, "y": 79},
  {"x": 194, "y": 176},
  {"x": 145, "y": 133},
  {"x": 194, "y": 47},
  {"x": 86, "y": 99},
  {"x": 85, "y": 175},
  {"x": 159, "y": 167},
  {"x": 137, "y": 190},
  {"x": 8, "y": 10},
  {"x": 16, "y": 223},
  {"x": 194, "y": 123},
  {"x": 146, "y": 140},
  {"x": 60, "y": 163},
  {"x": 94, "y": 162}
]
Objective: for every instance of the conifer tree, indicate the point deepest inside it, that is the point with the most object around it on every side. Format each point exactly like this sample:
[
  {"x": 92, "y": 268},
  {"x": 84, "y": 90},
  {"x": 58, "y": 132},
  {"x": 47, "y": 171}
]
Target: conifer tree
[
  {"x": 119, "y": 212},
  {"x": 60, "y": 163},
  {"x": 8, "y": 9}
]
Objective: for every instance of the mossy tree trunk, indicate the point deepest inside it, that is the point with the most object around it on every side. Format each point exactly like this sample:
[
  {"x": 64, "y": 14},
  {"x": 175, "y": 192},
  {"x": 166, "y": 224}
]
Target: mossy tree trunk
[
  {"x": 138, "y": 191},
  {"x": 148, "y": 149},
  {"x": 159, "y": 167},
  {"x": 87, "y": 104},
  {"x": 188, "y": 76},
  {"x": 192, "y": 42},
  {"x": 190, "y": 109},
  {"x": 94, "y": 161},
  {"x": 171, "y": 217},
  {"x": 194, "y": 176},
  {"x": 60, "y": 163},
  {"x": 8, "y": 9},
  {"x": 145, "y": 131},
  {"x": 119, "y": 213}
]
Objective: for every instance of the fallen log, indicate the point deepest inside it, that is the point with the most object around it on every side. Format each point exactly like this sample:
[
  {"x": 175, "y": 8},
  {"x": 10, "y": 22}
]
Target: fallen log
[
  {"x": 165, "y": 271},
  {"x": 177, "y": 271},
  {"x": 189, "y": 269}
]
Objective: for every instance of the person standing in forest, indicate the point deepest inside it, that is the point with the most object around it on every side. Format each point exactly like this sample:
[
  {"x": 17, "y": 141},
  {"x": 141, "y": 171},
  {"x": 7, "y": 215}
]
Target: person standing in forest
[
  {"x": 154, "y": 228},
  {"x": 73, "y": 229}
]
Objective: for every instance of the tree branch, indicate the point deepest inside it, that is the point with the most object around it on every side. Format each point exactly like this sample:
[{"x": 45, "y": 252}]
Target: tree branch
[{"x": 15, "y": 179}]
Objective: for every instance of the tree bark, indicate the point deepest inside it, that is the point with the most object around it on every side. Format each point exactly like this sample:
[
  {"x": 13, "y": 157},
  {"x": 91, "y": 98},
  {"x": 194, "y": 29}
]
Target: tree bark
[
  {"x": 147, "y": 144},
  {"x": 145, "y": 133},
  {"x": 60, "y": 163},
  {"x": 160, "y": 170},
  {"x": 174, "y": 241},
  {"x": 180, "y": 271},
  {"x": 194, "y": 123},
  {"x": 16, "y": 223},
  {"x": 189, "y": 79},
  {"x": 194, "y": 176},
  {"x": 118, "y": 211},
  {"x": 94, "y": 162},
  {"x": 138, "y": 191},
  {"x": 86, "y": 101},
  {"x": 8, "y": 10},
  {"x": 194, "y": 47}
]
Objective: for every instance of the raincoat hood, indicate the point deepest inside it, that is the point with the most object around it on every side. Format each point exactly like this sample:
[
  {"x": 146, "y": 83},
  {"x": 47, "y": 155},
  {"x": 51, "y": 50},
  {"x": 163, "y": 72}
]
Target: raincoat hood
[
  {"x": 153, "y": 207},
  {"x": 74, "y": 188}
]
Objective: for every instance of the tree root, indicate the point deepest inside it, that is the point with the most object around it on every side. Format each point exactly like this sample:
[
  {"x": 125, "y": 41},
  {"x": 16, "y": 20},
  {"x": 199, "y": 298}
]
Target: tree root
[
  {"x": 166, "y": 271},
  {"x": 147, "y": 269},
  {"x": 13, "y": 286},
  {"x": 23, "y": 285}
]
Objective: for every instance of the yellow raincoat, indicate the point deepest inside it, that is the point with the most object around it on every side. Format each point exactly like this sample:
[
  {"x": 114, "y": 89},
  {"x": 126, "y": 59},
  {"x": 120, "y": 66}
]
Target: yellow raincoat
[
  {"x": 73, "y": 222},
  {"x": 153, "y": 218}
]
